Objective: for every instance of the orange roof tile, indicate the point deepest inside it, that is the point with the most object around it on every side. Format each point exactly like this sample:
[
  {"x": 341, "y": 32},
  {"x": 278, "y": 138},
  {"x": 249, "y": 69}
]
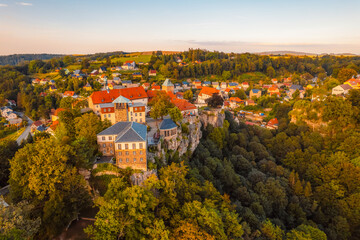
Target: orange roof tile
[
  {"x": 129, "y": 93},
  {"x": 183, "y": 105},
  {"x": 208, "y": 91},
  {"x": 69, "y": 93},
  {"x": 57, "y": 111}
]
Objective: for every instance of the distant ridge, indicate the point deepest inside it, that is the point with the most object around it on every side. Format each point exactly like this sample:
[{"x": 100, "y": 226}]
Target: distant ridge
[
  {"x": 15, "y": 59},
  {"x": 294, "y": 53}
]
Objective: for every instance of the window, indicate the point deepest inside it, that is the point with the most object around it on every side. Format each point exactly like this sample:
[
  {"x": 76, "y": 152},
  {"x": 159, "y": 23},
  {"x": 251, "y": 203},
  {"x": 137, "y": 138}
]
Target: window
[
  {"x": 127, "y": 153},
  {"x": 127, "y": 160},
  {"x": 135, "y": 114},
  {"x": 135, "y": 119},
  {"x": 135, "y": 110},
  {"x": 141, "y": 152},
  {"x": 134, "y": 159},
  {"x": 140, "y": 114},
  {"x": 132, "y": 119},
  {"x": 140, "y": 119},
  {"x": 141, "y": 159},
  {"x": 111, "y": 151},
  {"x": 110, "y": 138},
  {"x": 134, "y": 152},
  {"x": 140, "y": 145},
  {"x": 104, "y": 152},
  {"x": 108, "y": 115},
  {"x": 104, "y": 115},
  {"x": 120, "y": 160},
  {"x": 126, "y": 146},
  {"x": 104, "y": 109},
  {"x": 103, "y": 138},
  {"x": 104, "y": 145},
  {"x": 120, "y": 153},
  {"x": 110, "y": 144},
  {"x": 134, "y": 146},
  {"x": 119, "y": 146}
]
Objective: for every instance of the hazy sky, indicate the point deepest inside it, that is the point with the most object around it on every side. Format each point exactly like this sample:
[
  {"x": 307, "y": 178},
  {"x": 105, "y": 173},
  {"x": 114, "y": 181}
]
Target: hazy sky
[{"x": 87, "y": 26}]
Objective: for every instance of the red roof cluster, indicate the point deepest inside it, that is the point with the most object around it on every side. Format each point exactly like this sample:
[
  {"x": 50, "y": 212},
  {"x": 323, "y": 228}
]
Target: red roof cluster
[
  {"x": 208, "y": 91},
  {"x": 69, "y": 93},
  {"x": 109, "y": 96}
]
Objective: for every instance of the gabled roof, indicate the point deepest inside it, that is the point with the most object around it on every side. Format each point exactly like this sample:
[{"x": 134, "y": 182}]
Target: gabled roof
[
  {"x": 273, "y": 121},
  {"x": 183, "y": 105},
  {"x": 168, "y": 83},
  {"x": 109, "y": 96},
  {"x": 235, "y": 99},
  {"x": 296, "y": 87},
  {"x": 346, "y": 87},
  {"x": 208, "y": 91},
  {"x": 167, "y": 124},
  {"x": 127, "y": 132},
  {"x": 255, "y": 90}
]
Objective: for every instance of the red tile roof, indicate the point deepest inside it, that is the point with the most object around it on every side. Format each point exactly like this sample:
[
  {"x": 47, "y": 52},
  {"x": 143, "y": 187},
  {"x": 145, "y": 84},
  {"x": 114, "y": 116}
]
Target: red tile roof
[
  {"x": 235, "y": 99},
  {"x": 129, "y": 93},
  {"x": 57, "y": 111},
  {"x": 54, "y": 125},
  {"x": 208, "y": 91},
  {"x": 183, "y": 105},
  {"x": 273, "y": 121},
  {"x": 69, "y": 93}
]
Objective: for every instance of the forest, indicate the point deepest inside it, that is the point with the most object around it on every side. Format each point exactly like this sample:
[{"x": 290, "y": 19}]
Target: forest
[{"x": 300, "y": 181}]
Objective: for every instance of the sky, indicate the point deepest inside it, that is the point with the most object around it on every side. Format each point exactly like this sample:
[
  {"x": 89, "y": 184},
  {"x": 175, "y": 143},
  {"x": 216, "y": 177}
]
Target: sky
[{"x": 89, "y": 26}]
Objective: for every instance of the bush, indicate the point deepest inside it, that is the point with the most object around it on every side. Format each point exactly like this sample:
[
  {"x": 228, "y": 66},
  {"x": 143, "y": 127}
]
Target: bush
[{"x": 185, "y": 128}]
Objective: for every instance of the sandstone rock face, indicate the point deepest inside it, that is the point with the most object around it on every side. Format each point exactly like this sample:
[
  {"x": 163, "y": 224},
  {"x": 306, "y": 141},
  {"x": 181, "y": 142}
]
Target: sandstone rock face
[
  {"x": 139, "y": 178},
  {"x": 213, "y": 117}
]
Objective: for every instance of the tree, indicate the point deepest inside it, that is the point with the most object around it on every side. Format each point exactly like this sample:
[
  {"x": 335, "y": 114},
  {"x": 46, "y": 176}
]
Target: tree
[
  {"x": 346, "y": 74},
  {"x": 306, "y": 232},
  {"x": 43, "y": 173},
  {"x": 66, "y": 102},
  {"x": 188, "y": 95},
  {"x": 160, "y": 105},
  {"x": 240, "y": 94},
  {"x": 271, "y": 231},
  {"x": 226, "y": 75},
  {"x": 175, "y": 114},
  {"x": 7, "y": 151},
  {"x": 18, "y": 218},
  {"x": 270, "y": 71},
  {"x": 215, "y": 100}
]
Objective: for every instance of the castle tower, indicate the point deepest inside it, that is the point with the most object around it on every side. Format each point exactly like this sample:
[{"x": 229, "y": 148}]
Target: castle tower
[
  {"x": 168, "y": 86},
  {"x": 121, "y": 105}
]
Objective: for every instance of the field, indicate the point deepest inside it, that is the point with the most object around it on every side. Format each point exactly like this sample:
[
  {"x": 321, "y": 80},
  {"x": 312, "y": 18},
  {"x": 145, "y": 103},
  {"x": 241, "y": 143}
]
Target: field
[
  {"x": 254, "y": 76},
  {"x": 13, "y": 136}
]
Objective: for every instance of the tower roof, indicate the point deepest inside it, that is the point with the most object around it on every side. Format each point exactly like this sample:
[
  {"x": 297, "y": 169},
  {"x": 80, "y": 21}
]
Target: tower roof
[
  {"x": 168, "y": 83},
  {"x": 121, "y": 99}
]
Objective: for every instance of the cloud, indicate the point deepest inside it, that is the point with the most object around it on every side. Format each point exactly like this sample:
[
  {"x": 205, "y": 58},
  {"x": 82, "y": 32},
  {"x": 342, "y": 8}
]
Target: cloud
[
  {"x": 3, "y": 5},
  {"x": 24, "y": 3}
]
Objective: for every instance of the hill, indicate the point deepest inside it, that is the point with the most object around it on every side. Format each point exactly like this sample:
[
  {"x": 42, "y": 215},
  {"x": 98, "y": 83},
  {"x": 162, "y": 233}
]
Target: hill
[{"x": 15, "y": 59}]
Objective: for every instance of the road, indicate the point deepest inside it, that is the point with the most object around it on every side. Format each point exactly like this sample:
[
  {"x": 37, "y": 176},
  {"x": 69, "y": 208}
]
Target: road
[{"x": 26, "y": 133}]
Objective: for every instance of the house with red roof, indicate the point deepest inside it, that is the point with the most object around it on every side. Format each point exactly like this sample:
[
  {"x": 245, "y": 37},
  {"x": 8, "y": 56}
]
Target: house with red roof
[
  {"x": 69, "y": 94},
  {"x": 55, "y": 114},
  {"x": 273, "y": 91},
  {"x": 152, "y": 73},
  {"x": 206, "y": 93},
  {"x": 129, "y": 65},
  {"x": 235, "y": 102},
  {"x": 245, "y": 85},
  {"x": 273, "y": 124},
  {"x": 133, "y": 94}
]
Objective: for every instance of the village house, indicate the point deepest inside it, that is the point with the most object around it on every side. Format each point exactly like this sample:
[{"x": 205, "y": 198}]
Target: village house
[
  {"x": 137, "y": 75},
  {"x": 207, "y": 83},
  {"x": 293, "y": 89},
  {"x": 129, "y": 65},
  {"x": 69, "y": 94},
  {"x": 215, "y": 84},
  {"x": 273, "y": 124},
  {"x": 233, "y": 85},
  {"x": 152, "y": 73},
  {"x": 235, "y": 102},
  {"x": 223, "y": 85},
  {"x": 341, "y": 89},
  {"x": 126, "y": 83},
  {"x": 255, "y": 93},
  {"x": 206, "y": 93},
  {"x": 54, "y": 115},
  {"x": 127, "y": 142},
  {"x": 245, "y": 85},
  {"x": 354, "y": 83},
  {"x": 250, "y": 102},
  {"x": 94, "y": 73},
  {"x": 146, "y": 85},
  {"x": 87, "y": 87},
  {"x": 273, "y": 91},
  {"x": 197, "y": 83},
  {"x": 102, "y": 69}
]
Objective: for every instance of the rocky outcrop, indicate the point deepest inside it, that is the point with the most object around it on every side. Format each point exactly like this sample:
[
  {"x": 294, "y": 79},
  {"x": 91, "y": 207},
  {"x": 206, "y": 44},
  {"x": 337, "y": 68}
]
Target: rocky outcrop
[
  {"x": 139, "y": 178},
  {"x": 213, "y": 117},
  {"x": 190, "y": 141}
]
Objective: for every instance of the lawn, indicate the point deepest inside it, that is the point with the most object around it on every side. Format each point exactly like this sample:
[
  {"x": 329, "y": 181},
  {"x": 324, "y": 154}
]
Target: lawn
[
  {"x": 252, "y": 76},
  {"x": 51, "y": 75},
  {"x": 130, "y": 57},
  {"x": 13, "y": 136}
]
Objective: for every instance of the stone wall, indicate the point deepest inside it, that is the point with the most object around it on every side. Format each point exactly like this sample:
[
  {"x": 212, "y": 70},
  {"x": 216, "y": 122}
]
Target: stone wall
[{"x": 213, "y": 117}]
